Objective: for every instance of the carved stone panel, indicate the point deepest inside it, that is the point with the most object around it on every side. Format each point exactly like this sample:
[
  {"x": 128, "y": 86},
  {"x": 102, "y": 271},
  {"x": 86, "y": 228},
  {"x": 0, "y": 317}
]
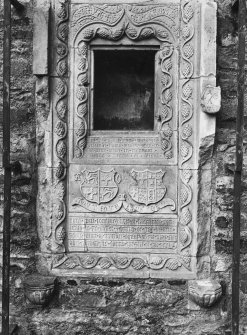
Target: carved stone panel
[{"x": 124, "y": 200}]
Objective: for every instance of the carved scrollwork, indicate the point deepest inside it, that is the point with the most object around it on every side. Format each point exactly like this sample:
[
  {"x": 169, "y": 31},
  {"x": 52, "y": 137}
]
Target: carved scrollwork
[
  {"x": 82, "y": 96},
  {"x": 186, "y": 146},
  {"x": 60, "y": 128},
  {"x": 166, "y": 112},
  {"x": 187, "y": 71},
  {"x": 185, "y": 234},
  {"x": 119, "y": 262},
  {"x": 137, "y": 22}
]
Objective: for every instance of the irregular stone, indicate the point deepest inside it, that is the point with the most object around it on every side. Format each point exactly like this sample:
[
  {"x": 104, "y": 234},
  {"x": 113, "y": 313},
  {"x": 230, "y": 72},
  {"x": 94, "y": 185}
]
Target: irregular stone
[
  {"x": 222, "y": 222},
  {"x": 156, "y": 297},
  {"x": 224, "y": 184}
]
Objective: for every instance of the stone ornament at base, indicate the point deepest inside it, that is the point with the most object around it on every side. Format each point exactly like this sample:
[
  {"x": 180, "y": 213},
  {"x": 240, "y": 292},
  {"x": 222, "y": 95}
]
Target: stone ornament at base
[
  {"x": 39, "y": 289},
  {"x": 205, "y": 292},
  {"x": 211, "y": 100}
]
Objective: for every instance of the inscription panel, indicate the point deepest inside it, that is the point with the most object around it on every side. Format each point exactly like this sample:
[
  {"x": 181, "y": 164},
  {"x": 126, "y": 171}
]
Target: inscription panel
[
  {"x": 122, "y": 234},
  {"x": 103, "y": 149}
]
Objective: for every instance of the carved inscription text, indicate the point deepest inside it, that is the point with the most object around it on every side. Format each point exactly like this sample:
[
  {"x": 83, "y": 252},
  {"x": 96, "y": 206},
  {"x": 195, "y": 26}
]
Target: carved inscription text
[
  {"x": 126, "y": 234},
  {"x": 124, "y": 149}
]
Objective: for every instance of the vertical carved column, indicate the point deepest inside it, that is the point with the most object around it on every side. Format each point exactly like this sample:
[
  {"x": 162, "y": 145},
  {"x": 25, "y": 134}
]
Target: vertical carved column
[
  {"x": 166, "y": 112},
  {"x": 82, "y": 97},
  {"x": 187, "y": 70},
  {"x": 186, "y": 127},
  {"x": 60, "y": 126}
]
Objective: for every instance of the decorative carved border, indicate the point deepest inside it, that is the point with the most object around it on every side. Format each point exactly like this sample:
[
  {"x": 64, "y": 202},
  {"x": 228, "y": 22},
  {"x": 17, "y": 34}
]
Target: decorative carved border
[
  {"x": 115, "y": 22},
  {"x": 186, "y": 132},
  {"x": 90, "y": 261},
  {"x": 166, "y": 112},
  {"x": 187, "y": 71},
  {"x": 115, "y": 31},
  {"x": 82, "y": 96},
  {"x": 61, "y": 127}
]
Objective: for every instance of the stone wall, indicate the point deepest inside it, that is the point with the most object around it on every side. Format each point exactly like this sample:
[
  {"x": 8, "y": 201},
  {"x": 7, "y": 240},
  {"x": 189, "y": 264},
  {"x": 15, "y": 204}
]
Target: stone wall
[{"x": 122, "y": 306}]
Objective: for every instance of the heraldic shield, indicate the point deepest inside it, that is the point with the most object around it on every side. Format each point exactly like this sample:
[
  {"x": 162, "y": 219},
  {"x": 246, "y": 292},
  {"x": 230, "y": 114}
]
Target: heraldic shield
[
  {"x": 99, "y": 186},
  {"x": 149, "y": 187}
]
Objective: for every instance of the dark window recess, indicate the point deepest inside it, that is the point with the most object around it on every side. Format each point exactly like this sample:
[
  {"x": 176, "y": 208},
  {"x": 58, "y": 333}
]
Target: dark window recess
[{"x": 124, "y": 89}]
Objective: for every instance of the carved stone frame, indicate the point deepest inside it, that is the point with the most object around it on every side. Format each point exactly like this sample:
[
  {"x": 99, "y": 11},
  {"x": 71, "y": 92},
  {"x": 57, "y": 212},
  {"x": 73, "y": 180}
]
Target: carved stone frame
[{"x": 196, "y": 128}]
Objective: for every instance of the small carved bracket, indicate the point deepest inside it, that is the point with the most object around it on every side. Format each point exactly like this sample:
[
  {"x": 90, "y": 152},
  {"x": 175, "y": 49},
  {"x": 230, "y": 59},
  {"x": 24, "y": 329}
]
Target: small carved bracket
[
  {"x": 205, "y": 292},
  {"x": 211, "y": 99},
  {"x": 39, "y": 289}
]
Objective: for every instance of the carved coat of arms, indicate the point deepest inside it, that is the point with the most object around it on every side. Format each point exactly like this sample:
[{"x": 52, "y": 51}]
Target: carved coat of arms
[
  {"x": 149, "y": 187},
  {"x": 99, "y": 186}
]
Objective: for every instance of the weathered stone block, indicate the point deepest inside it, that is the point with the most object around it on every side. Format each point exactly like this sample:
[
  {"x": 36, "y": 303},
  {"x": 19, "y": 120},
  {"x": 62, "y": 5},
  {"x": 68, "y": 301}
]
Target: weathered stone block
[{"x": 41, "y": 33}]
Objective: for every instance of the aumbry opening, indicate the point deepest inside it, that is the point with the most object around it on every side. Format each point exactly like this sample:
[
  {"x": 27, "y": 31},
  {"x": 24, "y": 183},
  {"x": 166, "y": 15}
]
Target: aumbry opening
[{"x": 124, "y": 89}]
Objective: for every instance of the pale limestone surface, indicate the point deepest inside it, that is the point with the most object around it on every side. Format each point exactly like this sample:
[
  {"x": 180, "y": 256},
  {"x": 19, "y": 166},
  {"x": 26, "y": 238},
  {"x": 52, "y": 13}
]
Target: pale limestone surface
[
  {"x": 211, "y": 99},
  {"x": 134, "y": 179},
  {"x": 40, "y": 38}
]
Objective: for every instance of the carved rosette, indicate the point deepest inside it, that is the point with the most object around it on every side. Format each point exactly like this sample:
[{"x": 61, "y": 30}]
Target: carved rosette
[
  {"x": 60, "y": 126},
  {"x": 186, "y": 132}
]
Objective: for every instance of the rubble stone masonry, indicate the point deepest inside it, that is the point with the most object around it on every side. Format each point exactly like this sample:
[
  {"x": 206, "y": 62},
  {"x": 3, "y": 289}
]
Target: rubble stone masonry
[{"x": 97, "y": 306}]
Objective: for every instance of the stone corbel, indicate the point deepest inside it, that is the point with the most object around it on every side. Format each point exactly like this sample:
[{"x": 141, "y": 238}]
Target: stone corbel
[
  {"x": 211, "y": 99},
  {"x": 39, "y": 290},
  {"x": 205, "y": 292}
]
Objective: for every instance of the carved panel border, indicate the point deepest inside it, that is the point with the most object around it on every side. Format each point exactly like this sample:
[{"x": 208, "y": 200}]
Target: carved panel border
[
  {"x": 137, "y": 22},
  {"x": 122, "y": 24},
  {"x": 88, "y": 32},
  {"x": 186, "y": 128},
  {"x": 60, "y": 127}
]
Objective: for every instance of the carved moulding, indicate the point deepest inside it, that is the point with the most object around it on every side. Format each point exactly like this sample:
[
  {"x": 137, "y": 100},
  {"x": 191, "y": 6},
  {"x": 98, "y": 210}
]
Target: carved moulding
[
  {"x": 186, "y": 126},
  {"x": 120, "y": 262},
  {"x": 93, "y": 187},
  {"x": 137, "y": 23},
  {"x": 84, "y": 31},
  {"x": 60, "y": 127}
]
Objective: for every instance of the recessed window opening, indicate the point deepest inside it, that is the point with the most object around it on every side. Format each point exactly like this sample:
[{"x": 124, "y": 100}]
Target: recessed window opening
[{"x": 124, "y": 89}]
